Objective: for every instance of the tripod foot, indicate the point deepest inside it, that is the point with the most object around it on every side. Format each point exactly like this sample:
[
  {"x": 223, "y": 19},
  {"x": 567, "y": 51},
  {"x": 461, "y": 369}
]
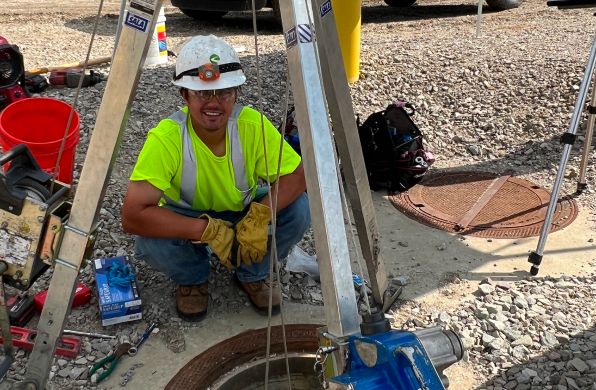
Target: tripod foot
[
  {"x": 534, "y": 270},
  {"x": 581, "y": 187}
]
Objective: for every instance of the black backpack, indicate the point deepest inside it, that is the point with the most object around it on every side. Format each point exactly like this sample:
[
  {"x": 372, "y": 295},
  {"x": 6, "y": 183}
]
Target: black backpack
[{"x": 393, "y": 150}]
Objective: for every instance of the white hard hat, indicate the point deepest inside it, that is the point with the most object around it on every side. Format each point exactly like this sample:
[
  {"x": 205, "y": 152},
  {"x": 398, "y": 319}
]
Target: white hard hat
[{"x": 208, "y": 62}]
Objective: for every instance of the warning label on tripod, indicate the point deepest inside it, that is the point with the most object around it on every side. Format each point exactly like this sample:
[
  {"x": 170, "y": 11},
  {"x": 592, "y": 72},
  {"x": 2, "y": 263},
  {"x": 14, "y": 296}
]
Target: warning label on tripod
[
  {"x": 305, "y": 33},
  {"x": 291, "y": 38},
  {"x": 325, "y": 8},
  {"x": 135, "y": 21}
]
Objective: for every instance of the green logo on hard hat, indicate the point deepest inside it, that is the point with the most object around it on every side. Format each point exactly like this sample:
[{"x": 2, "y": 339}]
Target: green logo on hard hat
[{"x": 214, "y": 58}]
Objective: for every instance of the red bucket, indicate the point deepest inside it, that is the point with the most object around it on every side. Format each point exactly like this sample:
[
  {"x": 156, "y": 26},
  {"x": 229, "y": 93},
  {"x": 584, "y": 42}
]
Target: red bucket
[{"x": 39, "y": 123}]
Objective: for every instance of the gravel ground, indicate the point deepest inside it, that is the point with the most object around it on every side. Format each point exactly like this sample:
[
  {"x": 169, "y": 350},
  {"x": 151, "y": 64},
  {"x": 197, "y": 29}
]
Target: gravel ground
[{"x": 498, "y": 103}]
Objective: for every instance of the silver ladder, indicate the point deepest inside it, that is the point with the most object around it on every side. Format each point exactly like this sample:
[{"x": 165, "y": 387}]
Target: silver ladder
[{"x": 320, "y": 90}]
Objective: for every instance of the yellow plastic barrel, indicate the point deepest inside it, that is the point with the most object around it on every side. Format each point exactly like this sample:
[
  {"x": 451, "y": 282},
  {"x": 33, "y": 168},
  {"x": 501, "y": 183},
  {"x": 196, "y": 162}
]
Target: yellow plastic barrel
[{"x": 347, "y": 17}]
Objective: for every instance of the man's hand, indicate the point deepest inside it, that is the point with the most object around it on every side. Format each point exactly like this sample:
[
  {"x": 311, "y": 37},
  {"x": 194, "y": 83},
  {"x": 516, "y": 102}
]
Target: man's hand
[
  {"x": 220, "y": 237},
  {"x": 252, "y": 233}
]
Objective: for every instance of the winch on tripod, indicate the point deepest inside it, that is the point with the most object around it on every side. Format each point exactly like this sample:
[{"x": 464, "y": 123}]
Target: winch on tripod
[{"x": 33, "y": 216}]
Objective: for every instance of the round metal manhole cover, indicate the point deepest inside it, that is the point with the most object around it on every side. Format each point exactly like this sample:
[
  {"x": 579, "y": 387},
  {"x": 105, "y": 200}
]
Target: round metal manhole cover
[
  {"x": 483, "y": 204},
  {"x": 204, "y": 369}
]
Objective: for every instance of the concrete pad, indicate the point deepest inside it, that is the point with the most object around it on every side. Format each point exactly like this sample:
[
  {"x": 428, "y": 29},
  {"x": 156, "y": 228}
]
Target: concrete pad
[{"x": 567, "y": 252}]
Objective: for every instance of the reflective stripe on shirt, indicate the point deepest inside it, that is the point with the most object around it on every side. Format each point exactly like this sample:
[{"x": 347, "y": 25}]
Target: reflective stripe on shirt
[{"x": 188, "y": 180}]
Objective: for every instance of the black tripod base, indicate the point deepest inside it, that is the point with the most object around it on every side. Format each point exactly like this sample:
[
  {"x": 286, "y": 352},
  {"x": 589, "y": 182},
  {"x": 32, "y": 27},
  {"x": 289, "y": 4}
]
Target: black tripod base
[{"x": 535, "y": 259}]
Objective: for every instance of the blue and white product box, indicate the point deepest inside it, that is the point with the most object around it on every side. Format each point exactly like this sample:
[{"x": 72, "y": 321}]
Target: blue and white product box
[{"x": 117, "y": 304}]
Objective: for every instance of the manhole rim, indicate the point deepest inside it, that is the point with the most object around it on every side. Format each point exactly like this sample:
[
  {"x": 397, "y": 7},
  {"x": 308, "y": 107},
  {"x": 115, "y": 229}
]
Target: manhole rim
[{"x": 204, "y": 369}]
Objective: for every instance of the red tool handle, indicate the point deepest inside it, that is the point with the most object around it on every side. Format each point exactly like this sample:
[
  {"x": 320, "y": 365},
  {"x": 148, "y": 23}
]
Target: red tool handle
[{"x": 25, "y": 339}]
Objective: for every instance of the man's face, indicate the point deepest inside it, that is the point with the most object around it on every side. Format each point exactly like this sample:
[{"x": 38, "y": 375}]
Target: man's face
[{"x": 210, "y": 112}]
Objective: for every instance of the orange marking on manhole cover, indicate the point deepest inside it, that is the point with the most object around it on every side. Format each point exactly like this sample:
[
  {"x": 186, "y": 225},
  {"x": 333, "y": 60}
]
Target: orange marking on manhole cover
[{"x": 517, "y": 209}]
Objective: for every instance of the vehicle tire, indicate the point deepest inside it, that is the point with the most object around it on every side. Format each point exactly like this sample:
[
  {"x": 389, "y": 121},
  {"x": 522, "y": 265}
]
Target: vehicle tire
[
  {"x": 503, "y": 4},
  {"x": 276, "y": 10},
  {"x": 400, "y": 3},
  {"x": 198, "y": 14}
]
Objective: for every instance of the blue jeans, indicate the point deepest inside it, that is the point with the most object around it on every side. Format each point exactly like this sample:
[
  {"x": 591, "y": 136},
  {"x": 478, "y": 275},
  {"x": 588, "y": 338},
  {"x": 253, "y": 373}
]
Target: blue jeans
[{"x": 188, "y": 264}]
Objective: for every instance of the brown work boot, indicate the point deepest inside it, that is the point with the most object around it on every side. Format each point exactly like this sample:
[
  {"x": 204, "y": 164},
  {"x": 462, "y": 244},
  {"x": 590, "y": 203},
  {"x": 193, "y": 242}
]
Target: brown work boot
[
  {"x": 191, "y": 301},
  {"x": 259, "y": 295}
]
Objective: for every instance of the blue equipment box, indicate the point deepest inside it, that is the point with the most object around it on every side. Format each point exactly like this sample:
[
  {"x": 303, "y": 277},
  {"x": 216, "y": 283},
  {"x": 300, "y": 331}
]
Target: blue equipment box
[{"x": 117, "y": 304}]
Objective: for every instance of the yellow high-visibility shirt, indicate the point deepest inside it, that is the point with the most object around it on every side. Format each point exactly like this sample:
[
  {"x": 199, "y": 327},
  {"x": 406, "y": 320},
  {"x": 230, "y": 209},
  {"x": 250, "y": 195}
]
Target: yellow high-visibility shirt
[{"x": 160, "y": 162}]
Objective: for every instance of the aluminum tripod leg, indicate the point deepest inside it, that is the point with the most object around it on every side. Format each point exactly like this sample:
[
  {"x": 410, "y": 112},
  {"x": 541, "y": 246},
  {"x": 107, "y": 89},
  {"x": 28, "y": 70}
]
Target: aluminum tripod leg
[
  {"x": 101, "y": 155},
  {"x": 321, "y": 174},
  {"x": 567, "y": 139},
  {"x": 582, "y": 183},
  {"x": 339, "y": 101}
]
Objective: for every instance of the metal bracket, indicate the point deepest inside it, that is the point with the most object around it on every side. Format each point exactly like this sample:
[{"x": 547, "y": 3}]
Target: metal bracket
[
  {"x": 535, "y": 258},
  {"x": 568, "y": 138}
]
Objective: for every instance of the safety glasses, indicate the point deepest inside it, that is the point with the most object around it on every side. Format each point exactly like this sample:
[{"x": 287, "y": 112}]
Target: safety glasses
[{"x": 222, "y": 95}]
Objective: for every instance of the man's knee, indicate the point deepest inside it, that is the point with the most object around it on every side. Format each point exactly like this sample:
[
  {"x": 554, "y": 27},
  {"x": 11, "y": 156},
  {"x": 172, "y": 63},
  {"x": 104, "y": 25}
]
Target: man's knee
[
  {"x": 157, "y": 251},
  {"x": 296, "y": 216}
]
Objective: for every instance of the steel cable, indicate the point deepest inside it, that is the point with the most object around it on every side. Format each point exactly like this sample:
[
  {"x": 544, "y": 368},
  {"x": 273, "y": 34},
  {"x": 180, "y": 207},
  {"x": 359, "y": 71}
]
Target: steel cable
[{"x": 273, "y": 203}]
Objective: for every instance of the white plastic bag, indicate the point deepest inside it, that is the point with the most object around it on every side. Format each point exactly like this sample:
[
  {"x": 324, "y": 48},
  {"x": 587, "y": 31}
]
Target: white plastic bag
[{"x": 300, "y": 261}]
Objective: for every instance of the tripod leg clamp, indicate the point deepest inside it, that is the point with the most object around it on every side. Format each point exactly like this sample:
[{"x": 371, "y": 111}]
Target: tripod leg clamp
[
  {"x": 535, "y": 258},
  {"x": 568, "y": 138}
]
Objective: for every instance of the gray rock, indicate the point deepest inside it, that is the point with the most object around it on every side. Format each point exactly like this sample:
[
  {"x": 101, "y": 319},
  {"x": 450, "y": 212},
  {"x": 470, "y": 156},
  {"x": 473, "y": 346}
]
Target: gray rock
[
  {"x": 498, "y": 343},
  {"x": 523, "y": 340},
  {"x": 521, "y": 302},
  {"x": 64, "y": 372},
  {"x": 559, "y": 317},
  {"x": 81, "y": 361},
  {"x": 498, "y": 325},
  {"x": 486, "y": 289},
  {"x": 520, "y": 352},
  {"x": 554, "y": 357},
  {"x": 310, "y": 282},
  {"x": 316, "y": 296},
  {"x": 402, "y": 280},
  {"x": 76, "y": 372},
  {"x": 548, "y": 339},
  {"x": 444, "y": 318},
  {"x": 481, "y": 314},
  {"x": 579, "y": 365},
  {"x": 512, "y": 334},
  {"x": 468, "y": 342},
  {"x": 571, "y": 384},
  {"x": 474, "y": 150},
  {"x": 494, "y": 309}
]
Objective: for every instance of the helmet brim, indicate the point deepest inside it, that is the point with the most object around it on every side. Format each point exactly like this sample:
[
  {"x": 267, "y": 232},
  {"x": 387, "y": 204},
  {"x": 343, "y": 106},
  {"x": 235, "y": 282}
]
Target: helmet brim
[{"x": 195, "y": 83}]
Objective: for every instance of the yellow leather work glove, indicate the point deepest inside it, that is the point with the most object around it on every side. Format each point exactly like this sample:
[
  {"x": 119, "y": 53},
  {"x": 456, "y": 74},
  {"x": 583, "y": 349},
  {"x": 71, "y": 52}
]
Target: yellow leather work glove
[
  {"x": 252, "y": 233},
  {"x": 220, "y": 237}
]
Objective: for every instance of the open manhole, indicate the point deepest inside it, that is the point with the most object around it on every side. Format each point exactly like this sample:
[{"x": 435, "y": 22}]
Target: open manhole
[
  {"x": 483, "y": 204},
  {"x": 238, "y": 363}
]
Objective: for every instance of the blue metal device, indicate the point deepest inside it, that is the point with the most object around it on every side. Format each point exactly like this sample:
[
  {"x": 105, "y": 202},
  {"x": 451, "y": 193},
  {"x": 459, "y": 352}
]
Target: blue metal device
[{"x": 384, "y": 359}]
